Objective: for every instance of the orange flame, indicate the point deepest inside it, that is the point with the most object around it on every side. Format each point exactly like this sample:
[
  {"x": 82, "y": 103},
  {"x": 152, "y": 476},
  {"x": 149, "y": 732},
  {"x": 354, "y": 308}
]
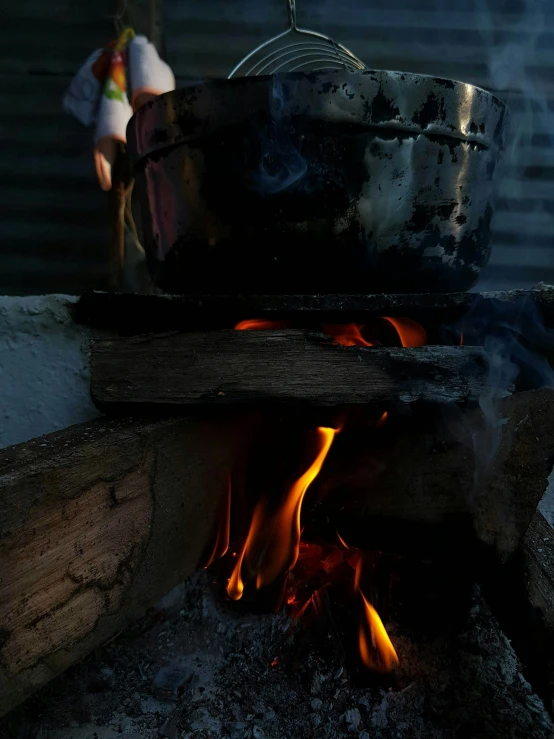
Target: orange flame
[
  {"x": 346, "y": 334},
  {"x": 235, "y": 586},
  {"x": 278, "y": 535},
  {"x": 371, "y": 632},
  {"x": 344, "y": 544},
  {"x": 223, "y": 532},
  {"x": 285, "y": 542},
  {"x": 259, "y": 324},
  {"x": 372, "y": 626},
  {"x": 358, "y": 574},
  {"x": 410, "y": 333},
  {"x": 461, "y": 338}
]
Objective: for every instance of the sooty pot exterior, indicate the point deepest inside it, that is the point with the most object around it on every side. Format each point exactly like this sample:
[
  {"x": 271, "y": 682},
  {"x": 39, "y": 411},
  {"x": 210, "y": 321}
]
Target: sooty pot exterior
[{"x": 327, "y": 182}]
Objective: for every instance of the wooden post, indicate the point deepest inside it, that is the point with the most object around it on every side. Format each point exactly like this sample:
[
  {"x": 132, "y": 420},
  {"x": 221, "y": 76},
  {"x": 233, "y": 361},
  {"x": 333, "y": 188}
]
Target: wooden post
[
  {"x": 122, "y": 184},
  {"x": 146, "y": 17}
]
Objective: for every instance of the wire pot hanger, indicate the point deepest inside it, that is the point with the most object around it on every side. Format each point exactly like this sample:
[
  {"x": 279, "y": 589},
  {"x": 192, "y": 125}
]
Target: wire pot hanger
[{"x": 294, "y": 50}]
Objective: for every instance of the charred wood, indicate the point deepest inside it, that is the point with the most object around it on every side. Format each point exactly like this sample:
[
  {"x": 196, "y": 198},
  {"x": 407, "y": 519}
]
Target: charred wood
[
  {"x": 218, "y": 368},
  {"x": 138, "y": 314},
  {"x": 421, "y": 485}
]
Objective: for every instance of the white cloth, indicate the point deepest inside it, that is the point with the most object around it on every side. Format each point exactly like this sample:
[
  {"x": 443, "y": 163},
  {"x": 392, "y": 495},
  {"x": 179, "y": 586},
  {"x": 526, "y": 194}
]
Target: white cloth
[
  {"x": 104, "y": 102},
  {"x": 83, "y": 95},
  {"x": 113, "y": 115},
  {"x": 149, "y": 75}
]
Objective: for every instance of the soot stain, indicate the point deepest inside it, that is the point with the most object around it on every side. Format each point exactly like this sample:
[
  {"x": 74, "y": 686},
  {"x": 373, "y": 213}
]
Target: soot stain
[
  {"x": 381, "y": 108},
  {"x": 423, "y": 215},
  {"x": 350, "y": 95},
  {"x": 160, "y": 136},
  {"x": 433, "y": 109},
  {"x": 327, "y": 87},
  {"x": 440, "y": 82}
]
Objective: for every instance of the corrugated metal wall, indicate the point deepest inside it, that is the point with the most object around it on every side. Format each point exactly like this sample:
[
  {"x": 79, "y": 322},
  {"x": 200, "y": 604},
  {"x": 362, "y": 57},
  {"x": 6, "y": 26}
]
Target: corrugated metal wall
[
  {"x": 53, "y": 217},
  {"x": 503, "y": 45}
]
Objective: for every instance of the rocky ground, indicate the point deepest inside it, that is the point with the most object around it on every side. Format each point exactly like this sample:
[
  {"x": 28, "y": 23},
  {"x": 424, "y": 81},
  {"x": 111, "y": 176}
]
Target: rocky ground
[{"x": 199, "y": 668}]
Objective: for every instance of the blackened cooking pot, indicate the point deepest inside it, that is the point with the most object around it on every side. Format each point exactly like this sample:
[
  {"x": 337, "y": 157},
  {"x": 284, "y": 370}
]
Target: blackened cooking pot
[{"x": 334, "y": 181}]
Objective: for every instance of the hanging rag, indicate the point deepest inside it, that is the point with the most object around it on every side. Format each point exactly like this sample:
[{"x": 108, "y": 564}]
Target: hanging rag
[
  {"x": 150, "y": 76},
  {"x": 114, "y": 112},
  {"x": 98, "y": 93}
]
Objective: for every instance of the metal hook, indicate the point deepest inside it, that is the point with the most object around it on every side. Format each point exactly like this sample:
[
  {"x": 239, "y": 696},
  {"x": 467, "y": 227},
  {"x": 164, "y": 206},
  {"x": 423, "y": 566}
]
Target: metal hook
[{"x": 291, "y": 10}]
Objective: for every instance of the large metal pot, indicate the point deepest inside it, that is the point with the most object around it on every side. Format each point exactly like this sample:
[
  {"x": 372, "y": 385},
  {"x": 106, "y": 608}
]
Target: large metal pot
[{"x": 334, "y": 181}]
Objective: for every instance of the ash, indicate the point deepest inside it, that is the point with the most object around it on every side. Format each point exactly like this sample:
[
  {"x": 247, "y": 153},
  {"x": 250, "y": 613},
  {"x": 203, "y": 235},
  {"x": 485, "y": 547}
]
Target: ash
[{"x": 197, "y": 668}]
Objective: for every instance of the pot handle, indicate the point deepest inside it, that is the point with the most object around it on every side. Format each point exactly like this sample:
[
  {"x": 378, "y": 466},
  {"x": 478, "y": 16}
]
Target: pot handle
[{"x": 291, "y": 10}]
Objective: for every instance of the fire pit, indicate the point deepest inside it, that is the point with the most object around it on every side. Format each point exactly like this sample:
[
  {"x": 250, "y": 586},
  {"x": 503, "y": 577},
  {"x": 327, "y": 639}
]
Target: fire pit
[{"x": 359, "y": 459}]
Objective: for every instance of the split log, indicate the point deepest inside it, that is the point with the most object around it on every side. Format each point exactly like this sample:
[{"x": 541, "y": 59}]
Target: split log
[
  {"x": 538, "y": 552},
  {"x": 521, "y": 596},
  {"x": 139, "y": 314},
  {"x": 428, "y": 484},
  {"x": 229, "y": 366},
  {"x": 96, "y": 523}
]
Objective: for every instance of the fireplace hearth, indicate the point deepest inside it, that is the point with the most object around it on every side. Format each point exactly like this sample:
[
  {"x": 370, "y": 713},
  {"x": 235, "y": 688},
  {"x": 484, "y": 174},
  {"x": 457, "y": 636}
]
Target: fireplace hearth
[
  {"x": 328, "y": 457},
  {"x": 200, "y": 668}
]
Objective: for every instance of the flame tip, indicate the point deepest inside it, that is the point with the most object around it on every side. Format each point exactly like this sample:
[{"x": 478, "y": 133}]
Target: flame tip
[
  {"x": 410, "y": 332},
  {"x": 379, "y": 638}
]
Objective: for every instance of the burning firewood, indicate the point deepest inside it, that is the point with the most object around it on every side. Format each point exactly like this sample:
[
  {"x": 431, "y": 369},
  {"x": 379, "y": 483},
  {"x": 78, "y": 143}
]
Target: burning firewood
[{"x": 222, "y": 367}]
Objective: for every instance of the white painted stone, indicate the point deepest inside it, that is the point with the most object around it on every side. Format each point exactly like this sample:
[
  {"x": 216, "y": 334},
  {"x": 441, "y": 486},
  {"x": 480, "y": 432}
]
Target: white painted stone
[{"x": 44, "y": 368}]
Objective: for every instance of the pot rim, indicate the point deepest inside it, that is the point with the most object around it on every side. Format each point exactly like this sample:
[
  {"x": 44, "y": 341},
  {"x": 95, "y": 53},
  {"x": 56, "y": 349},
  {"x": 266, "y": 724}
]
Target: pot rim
[{"x": 399, "y": 102}]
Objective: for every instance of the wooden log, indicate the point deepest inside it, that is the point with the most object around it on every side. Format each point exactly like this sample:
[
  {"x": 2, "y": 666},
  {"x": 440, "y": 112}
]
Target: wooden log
[
  {"x": 423, "y": 485},
  {"x": 538, "y": 553},
  {"x": 521, "y": 595},
  {"x": 222, "y": 367},
  {"x": 139, "y": 314},
  {"x": 96, "y": 523}
]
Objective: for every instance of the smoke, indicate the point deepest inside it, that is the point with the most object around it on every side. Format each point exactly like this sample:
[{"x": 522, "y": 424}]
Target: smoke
[
  {"x": 277, "y": 159},
  {"x": 515, "y": 338},
  {"x": 514, "y": 36}
]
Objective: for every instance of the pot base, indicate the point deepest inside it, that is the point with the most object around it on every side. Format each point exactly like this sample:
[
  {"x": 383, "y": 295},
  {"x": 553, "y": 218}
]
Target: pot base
[{"x": 289, "y": 265}]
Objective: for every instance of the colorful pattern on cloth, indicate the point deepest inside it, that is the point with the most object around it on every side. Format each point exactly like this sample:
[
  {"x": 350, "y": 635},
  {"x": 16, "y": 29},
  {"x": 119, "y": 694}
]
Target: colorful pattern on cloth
[
  {"x": 110, "y": 67},
  {"x": 97, "y": 94}
]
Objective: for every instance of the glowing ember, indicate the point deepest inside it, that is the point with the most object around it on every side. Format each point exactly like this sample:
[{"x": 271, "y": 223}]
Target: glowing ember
[
  {"x": 371, "y": 626},
  {"x": 346, "y": 334},
  {"x": 273, "y": 541},
  {"x": 409, "y": 332},
  {"x": 258, "y": 324}
]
